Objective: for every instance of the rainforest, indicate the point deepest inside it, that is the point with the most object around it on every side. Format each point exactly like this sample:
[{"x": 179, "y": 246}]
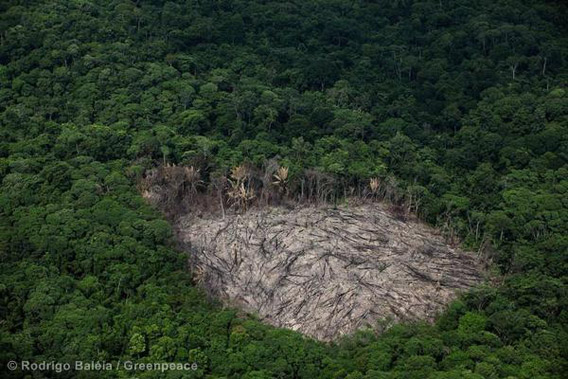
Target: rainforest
[{"x": 338, "y": 189}]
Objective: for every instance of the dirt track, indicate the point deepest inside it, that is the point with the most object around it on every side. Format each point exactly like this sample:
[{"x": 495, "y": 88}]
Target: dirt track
[{"x": 323, "y": 271}]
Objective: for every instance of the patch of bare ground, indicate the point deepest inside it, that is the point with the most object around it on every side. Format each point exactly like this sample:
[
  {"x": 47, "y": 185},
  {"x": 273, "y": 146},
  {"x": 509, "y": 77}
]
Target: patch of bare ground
[{"x": 326, "y": 271}]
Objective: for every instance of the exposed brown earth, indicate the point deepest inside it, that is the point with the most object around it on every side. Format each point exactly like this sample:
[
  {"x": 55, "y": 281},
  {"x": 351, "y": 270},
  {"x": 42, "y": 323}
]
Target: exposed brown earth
[{"x": 326, "y": 271}]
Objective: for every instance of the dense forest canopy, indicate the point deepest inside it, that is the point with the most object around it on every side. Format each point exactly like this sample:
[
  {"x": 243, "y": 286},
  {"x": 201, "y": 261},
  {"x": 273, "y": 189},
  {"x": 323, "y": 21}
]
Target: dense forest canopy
[{"x": 462, "y": 104}]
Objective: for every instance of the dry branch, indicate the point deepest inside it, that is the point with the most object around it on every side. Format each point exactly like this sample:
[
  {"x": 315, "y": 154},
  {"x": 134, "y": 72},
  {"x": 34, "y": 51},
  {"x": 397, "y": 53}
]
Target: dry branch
[{"x": 326, "y": 272}]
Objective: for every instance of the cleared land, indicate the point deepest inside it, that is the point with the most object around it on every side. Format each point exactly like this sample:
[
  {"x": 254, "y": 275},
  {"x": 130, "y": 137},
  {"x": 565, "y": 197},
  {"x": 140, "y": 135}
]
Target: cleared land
[{"x": 324, "y": 271}]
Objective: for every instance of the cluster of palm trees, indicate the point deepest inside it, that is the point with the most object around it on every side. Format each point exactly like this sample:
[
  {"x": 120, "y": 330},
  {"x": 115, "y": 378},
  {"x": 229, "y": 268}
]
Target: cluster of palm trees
[{"x": 174, "y": 187}]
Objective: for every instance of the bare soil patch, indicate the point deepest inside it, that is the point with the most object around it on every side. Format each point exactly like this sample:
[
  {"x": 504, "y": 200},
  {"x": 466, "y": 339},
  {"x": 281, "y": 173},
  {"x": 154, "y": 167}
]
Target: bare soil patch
[{"x": 326, "y": 271}]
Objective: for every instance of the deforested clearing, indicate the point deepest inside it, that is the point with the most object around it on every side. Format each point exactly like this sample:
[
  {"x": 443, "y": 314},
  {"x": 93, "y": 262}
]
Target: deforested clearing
[{"x": 326, "y": 271}]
